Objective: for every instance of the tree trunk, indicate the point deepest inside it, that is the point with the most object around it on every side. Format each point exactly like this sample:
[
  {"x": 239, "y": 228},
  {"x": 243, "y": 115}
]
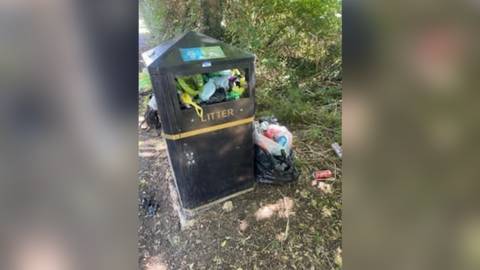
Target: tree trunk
[{"x": 212, "y": 11}]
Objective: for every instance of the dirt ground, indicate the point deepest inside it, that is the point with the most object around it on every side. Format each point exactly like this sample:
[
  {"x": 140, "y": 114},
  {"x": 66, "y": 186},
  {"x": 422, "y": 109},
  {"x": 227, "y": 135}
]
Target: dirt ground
[{"x": 303, "y": 236}]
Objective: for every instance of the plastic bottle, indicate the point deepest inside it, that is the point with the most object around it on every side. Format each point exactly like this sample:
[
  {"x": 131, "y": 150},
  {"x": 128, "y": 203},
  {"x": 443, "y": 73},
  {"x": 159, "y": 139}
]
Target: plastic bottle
[
  {"x": 282, "y": 140},
  {"x": 208, "y": 90},
  {"x": 276, "y": 131},
  {"x": 337, "y": 149}
]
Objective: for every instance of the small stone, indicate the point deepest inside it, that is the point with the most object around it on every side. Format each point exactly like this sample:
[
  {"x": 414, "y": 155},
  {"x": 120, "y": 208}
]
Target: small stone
[
  {"x": 228, "y": 206},
  {"x": 243, "y": 225}
]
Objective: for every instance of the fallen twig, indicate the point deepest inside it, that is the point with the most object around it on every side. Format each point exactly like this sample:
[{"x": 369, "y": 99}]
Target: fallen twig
[
  {"x": 323, "y": 253},
  {"x": 286, "y": 229}
]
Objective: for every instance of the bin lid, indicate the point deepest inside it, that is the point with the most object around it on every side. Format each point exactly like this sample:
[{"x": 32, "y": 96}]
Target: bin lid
[{"x": 191, "y": 48}]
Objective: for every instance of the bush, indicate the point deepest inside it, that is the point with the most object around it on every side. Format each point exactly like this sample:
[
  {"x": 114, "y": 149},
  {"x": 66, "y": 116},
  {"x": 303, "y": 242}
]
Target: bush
[
  {"x": 297, "y": 46},
  {"x": 167, "y": 19}
]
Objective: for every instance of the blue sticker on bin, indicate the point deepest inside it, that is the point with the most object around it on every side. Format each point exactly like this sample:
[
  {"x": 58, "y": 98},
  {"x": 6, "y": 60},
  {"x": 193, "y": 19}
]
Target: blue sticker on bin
[
  {"x": 206, "y": 64},
  {"x": 202, "y": 53}
]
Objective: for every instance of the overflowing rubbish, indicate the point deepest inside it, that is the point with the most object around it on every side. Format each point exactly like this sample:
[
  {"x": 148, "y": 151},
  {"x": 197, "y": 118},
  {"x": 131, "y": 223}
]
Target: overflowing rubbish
[
  {"x": 192, "y": 85},
  {"x": 210, "y": 155},
  {"x": 235, "y": 93},
  {"x": 221, "y": 82},
  {"x": 271, "y": 169},
  {"x": 151, "y": 117},
  {"x": 274, "y": 160},
  {"x": 273, "y": 138},
  {"x": 322, "y": 174},
  {"x": 152, "y": 103},
  {"x": 145, "y": 202},
  {"x": 152, "y": 209},
  {"x": 187, "y": 99},
  {"x": 282, "y": 140},
  {"x": 217, "y": 97},
  {"x": 210, "y": 88},
  {"x": 269, "y": 119},
  {"x": 278, "y": 134},
  {"x": 338, "y": 149}
]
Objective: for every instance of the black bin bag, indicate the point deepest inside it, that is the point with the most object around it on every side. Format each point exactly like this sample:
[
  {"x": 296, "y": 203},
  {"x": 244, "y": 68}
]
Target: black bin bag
[{"x": 271, "y": 169}]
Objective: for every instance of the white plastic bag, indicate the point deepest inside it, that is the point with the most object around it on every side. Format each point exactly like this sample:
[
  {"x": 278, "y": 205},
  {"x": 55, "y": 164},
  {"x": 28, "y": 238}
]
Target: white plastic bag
[
  {"x": 270, "y": 145},
  {"x": 277, "y": 132},
  {"x": 153, "y": 103},
  {"x": 221, "y": 82}
]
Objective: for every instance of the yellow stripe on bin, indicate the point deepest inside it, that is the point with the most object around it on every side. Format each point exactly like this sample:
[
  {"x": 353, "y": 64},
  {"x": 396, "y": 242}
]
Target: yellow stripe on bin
[
  {"x": 192, "y": 211},
  {"x": 207, "y": 129}
]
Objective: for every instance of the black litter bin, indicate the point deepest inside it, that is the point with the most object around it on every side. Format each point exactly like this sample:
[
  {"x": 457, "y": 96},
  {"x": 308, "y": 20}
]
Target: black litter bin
[{"x": 211, "y": 155}]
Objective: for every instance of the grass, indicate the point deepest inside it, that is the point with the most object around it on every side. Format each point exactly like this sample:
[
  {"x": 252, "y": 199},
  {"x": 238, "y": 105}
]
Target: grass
[
  {"x": 309, "y": 104},
  {"x": 300, "y": 99}
]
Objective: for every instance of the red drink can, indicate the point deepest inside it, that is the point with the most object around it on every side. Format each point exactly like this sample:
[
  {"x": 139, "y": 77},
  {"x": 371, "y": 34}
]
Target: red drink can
[{"x": 322, "y": 174}]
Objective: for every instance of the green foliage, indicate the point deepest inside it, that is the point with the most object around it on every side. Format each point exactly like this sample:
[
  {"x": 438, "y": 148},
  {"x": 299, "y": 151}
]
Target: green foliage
[
  {"x": 297, "y": 44},
  {"x": 144, "y": 82},
  {"x": 168, "y": 18},
  {"x": 298, "y": 164},
  {"x": 145, "y": 103},
  {"x": 275, "y": 244},
  {"x": 319, "y": 238},
  {"x": 308, "y": 29},
  {"x": 293, "y": 105},
  {"x": 302, "y": 29}
]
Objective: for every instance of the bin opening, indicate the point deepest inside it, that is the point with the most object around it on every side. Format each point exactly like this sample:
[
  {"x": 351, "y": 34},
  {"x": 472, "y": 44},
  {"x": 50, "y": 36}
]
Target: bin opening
[{"x": 203, "y": 89}]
